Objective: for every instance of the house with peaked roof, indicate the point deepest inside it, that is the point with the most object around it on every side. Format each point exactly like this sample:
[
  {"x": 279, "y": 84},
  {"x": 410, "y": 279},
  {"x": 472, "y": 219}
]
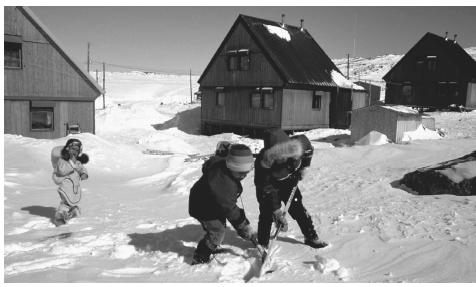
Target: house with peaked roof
[
  {"x": 46, "y": 94},
  {"x": 435, "y": 72},
  {"x": 270, "y": 74}
]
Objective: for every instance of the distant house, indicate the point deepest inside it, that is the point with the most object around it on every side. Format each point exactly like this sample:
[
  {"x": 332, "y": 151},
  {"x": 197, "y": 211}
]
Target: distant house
[
  {"x": 45, "y": 93},
  {"x": 373, "y": 92},
  {"x": 392, "y": 121},
  {"x": 436, "y": 72},
  {"x": 270, "y": 74}
]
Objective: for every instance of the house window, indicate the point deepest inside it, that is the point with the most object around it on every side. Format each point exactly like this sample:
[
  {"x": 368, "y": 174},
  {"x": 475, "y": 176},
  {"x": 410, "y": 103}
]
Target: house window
[
  {"x": 407, "y": 94},
  {"x": 431, "y": 63},
  {"x": 42, "y": 119},
  {"x": 12, "y": 55},
  {"x": 268, "y": 100},
  {"x": 255, "y": 100},
  {"x": 238, "y": 60},
  {"x": 316, "y": 101},
  {"x": 220, "y": 98}
]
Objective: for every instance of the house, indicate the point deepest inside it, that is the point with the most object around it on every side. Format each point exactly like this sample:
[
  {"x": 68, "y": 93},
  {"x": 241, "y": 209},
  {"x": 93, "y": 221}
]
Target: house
[
  {"x": 46, "y": 95},
  {"x": 270, "y": 74},
  {"x": 372, "y": 90},
  {"x": 436, "y": 72},
  {"x": 392, "y": 121}
]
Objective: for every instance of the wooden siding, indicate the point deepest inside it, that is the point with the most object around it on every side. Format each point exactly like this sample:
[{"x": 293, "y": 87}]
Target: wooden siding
[
  {"x": 360, "y": 100},
  {"x": 298, "y": 112},
  {"x": 388, "y": 122},
  {"x": 261, "y": 73},
  {"x": 237, "y": 109},
  {"x": 45, "y": 72},
  {"x": 471, "y": 96},
  {"x": 17, "y": 118}
]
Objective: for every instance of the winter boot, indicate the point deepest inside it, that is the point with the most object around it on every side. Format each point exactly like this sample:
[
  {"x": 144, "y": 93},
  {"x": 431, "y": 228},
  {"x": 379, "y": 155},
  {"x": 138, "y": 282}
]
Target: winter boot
[
  {"x": 201, "y": 254},
  {"x": 74, "y": 212},
  {"x": 315, "y": 242}
]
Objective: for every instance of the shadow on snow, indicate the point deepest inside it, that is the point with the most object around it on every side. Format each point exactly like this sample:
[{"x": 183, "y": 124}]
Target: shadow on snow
[
  {"x": 48, "y": 212},
  {"x": 187, "y": 121}
]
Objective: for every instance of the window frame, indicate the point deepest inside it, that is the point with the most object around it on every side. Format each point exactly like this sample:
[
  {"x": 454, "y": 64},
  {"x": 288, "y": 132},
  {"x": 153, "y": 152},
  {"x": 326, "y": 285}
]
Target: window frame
[
  {"x": 220, "y": 97},
  {"x": 48, "y": 110},
  {"x": 258, "y": 94},
  {"x": 431, "y": 63},
  {"x": 19, "y": 49},
  {"x": 317, "y": 98},
  {"x": 238, "y": 60},
  {"x": 264, "y": 94}
]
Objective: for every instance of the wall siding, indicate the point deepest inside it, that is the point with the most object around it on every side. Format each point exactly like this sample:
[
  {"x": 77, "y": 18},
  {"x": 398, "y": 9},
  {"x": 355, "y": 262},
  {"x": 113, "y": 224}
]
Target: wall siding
[
  {"x": 298, "y": 112},
  {"x": 261, "y": 72},
  {"x": 237, "y": 109}
]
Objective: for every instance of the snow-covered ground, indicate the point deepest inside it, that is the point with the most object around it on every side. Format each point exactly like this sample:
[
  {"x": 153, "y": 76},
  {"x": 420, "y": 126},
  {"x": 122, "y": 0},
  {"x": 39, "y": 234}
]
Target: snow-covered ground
[{"x": 135, "y": 225}]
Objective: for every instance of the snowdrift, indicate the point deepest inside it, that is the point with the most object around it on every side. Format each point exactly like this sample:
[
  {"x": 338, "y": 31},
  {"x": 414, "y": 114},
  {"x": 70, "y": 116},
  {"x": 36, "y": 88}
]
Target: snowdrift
[{"x": 451, "y": 177}]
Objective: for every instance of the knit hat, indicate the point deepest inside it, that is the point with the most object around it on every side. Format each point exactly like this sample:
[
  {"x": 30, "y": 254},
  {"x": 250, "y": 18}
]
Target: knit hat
[{"x": 239, "y": 158}]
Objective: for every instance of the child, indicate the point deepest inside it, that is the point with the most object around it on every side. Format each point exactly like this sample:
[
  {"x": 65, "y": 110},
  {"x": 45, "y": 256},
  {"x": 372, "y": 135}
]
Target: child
[
  {"x": 213, "y": 200},
  {"x": 68, "y": 171}
]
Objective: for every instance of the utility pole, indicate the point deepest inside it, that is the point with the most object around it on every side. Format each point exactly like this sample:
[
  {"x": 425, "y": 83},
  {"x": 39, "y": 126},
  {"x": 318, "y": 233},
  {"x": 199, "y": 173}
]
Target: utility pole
[
  {"x": 104, "y": 85},
  {"x": 97, "y": 79},
  {"x": 191, "y": 98},
  {"x": 348, "y": 66},
  {"x": 89, "y": 60}
]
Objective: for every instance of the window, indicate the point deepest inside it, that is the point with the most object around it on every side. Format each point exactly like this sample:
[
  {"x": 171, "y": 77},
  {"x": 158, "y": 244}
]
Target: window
[
  {"x": 238, "y": 60},
  {"x": 407, "y": 94},
  {"x": 431, "y": 63},
  {"x": 316, "y": 101},
  {"x": 220, "y": 98},
  {"x": 256, "y": 100},
  {"x": 268, "y": 100},
  {"x": 42, "y": 118},
  {"x": 12, "y": 55}
]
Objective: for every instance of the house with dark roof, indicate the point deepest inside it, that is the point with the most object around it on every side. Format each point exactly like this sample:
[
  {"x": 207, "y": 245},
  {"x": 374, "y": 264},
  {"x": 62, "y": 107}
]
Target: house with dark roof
[
  {"x": 270, "y": 74},
  {"x": 436, "y": 72},
  {"x": 46, "y": 94}
]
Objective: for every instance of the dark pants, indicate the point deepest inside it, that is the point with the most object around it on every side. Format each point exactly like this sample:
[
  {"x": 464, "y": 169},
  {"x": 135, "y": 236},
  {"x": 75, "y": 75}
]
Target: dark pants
[
  {"x": 297, "y": 211},
  {"x": 214, "y": 236}
]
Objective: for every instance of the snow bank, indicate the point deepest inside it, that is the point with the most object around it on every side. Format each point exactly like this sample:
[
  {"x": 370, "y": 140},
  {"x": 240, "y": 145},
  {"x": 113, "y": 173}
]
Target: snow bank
[
  {"x": 343, "y": 82},
  {"x": 373, "y": 138},
  {"x": 421, "y": 133},
  {"x": 278, "y": 31}
]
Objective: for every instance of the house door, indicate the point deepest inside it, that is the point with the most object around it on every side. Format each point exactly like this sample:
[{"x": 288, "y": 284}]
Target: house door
[{"x": 471, "y": 96}]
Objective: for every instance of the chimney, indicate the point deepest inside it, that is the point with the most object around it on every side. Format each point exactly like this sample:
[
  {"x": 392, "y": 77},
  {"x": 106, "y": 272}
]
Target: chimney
[
  {"x": 282, "y": 20},
  {"x": 302, "y": 26},
  {"x": 454, "y": 40},
  {"x": 446, "y": 36}
]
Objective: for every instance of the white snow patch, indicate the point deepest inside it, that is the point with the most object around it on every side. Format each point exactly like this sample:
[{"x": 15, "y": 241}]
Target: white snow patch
[
  {"x": 331, "y": 265},
  {"x": 37, "y": 265},
  {"x": 421, "y": 133},
  {"x": 343, "y": 82},
  {"x": 123, "y": 251},
  {"x": 401, "y": 109},
  {"x": 280, "y": 32},
  {"x": 128, "y": 272},
  {"x": 373, "y": 138}
]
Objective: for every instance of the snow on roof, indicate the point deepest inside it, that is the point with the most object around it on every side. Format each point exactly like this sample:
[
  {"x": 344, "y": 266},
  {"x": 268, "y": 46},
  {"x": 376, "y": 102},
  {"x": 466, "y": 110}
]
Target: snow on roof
[
  {"x": 401, "y": 109},
  {"x": 342, "y": 82},
  {"x": 280, "y": 32}
]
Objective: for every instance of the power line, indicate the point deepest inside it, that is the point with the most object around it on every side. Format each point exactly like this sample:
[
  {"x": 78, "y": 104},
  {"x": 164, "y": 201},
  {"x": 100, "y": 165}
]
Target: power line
[{"x": 148, "y": 69}]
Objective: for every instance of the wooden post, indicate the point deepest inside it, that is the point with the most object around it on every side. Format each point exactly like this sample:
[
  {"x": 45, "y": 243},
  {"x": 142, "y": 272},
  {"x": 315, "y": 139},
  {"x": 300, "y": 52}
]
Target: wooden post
[
  {"x": 97, "y": 79},
  {"x": 191, "y": 99},
  {"x": 104, "y": 85},
  {"x": 348, "y": 66},
  {"x": 89, "y": 61}
]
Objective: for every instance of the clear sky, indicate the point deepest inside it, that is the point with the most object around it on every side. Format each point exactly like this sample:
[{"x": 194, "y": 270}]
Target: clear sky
[{"x": 183, "y": 38}]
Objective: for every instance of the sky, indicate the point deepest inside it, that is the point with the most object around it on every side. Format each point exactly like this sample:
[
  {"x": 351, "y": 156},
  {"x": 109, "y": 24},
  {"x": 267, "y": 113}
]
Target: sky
[{"x": 168, "y": 38}]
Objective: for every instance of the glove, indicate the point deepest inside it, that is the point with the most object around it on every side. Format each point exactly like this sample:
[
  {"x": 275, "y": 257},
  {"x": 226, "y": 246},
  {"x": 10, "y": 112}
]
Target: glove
[
  {"x": 280, "y": 220},
  {"x": 84, "y": 176},
  {"x": 246, "y": 232}
]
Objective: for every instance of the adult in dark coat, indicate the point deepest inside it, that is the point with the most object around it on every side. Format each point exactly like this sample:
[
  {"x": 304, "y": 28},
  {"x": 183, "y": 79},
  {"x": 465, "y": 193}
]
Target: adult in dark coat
[
  {"x": 278, "y": 169},
  {"x": 213, "y": 200}
]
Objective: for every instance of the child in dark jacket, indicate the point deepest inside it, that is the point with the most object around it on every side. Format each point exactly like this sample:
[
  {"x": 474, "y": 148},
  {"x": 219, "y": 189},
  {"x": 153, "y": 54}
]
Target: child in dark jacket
[
  {"x": 213, "y": 200},
  {"x": 68, "y": 172},
  {"x": 278, "y": 169}
]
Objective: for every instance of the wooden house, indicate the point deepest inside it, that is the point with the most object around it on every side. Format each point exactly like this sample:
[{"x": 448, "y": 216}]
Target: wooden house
[
  {"x": 270, "y": 74},
  {"x": 436, "y": 72},
  {"x": 46, "y": 95},
  {"x": 392, "y": 121}
]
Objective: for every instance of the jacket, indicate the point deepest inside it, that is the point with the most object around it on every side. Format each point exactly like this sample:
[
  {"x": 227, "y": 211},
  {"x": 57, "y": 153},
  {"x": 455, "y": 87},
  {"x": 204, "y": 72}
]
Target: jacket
[{"x": 215, "y": 194}]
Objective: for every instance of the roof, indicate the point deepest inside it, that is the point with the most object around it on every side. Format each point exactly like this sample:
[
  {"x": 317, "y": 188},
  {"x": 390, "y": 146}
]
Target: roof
[
  {"x": 399, "y": 109},
  {"x": 55, "y": 43},
  {"x": 453, "y": 50},
  {"x": 292, "y": 51}
]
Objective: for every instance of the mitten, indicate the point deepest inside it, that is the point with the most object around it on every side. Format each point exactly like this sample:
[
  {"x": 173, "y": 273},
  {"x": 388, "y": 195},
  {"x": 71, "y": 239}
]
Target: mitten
[{"x": 280, "y": 220}]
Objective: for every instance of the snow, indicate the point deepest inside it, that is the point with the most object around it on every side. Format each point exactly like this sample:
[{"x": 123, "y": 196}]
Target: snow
[
  {"x": 135, "y": 225},
  {"x": 343, "y": 82},
  {"x": 421, "y": 133},
  {"x": 278, "y": 31},
  {"x": 373, "y": 138},
  {"x": 401, "y": 109}
]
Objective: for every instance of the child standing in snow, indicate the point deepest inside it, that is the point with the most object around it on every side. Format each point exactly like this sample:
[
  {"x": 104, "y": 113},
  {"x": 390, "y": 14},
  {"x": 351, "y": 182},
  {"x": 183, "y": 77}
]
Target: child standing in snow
[
  {"x": 213, "y": 200},
  {"x": 68, "y": 172},
  {"x": 278, "y": 168}
]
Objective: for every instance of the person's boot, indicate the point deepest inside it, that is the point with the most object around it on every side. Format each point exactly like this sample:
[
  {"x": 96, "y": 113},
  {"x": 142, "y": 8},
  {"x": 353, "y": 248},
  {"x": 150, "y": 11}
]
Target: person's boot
[
  {"x": 74, "y": 212},
  {"x": 201, "y": 254},
  {"x": 315, "y": 242}
]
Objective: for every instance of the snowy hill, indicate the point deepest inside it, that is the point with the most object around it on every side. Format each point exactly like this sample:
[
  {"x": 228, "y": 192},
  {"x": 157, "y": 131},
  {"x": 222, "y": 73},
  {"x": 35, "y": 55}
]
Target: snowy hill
[
  {"x": 375, "y": 68},
  {"x": 135, "y": 225}
]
